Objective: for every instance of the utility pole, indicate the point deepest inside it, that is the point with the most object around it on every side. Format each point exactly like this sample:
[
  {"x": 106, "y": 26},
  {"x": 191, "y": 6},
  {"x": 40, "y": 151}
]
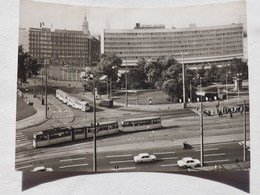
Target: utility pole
[
  {"x": 245, "y": 156},
  {"x": 183, "y": 82},
  {"x": 46, "y": 102},
  {"x": 201, "y": 136},
  {"x": 95, "y": 131}
]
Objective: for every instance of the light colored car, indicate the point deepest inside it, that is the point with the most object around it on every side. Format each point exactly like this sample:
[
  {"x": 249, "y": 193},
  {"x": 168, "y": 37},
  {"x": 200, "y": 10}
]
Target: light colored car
[
  {"x": 41, "y": 168},
  {"x": 145, "y": 157},
  {"x": 188, "y": 162}
]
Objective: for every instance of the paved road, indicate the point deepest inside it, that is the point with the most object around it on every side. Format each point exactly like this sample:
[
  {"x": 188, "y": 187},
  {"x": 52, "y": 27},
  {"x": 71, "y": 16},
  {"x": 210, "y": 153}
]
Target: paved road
[{"x": 214, "y": 154}]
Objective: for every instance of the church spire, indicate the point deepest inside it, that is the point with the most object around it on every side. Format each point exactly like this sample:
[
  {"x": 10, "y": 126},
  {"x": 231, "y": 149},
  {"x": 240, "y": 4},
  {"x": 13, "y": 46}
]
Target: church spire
[{"x": 85, "y": 25}]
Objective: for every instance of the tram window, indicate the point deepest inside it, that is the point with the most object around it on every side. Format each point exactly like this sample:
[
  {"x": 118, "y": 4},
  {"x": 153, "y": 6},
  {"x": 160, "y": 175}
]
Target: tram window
[{"x": 79, "y": 131}]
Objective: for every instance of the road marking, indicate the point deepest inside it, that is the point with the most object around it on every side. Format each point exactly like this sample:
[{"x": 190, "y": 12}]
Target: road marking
[
  {"x": 24, "y": 167},
  {"x": 164, "y": 153},
  {"x": 55, "y": 105},
  {"x": 78, "y": 165},
  {"x": 126, "y": 161},
  {"x": 169, "y": 158},
  {"x": 169, "y": 165},
  {"x": 125, "y": 168},
  {"x": 72, "y": 159},
  {"x": 216, "y": 161},
  {"x": 123, "y": 155},
  {"x": 207, "y": 149},
  {"x": 215, "y": 154}
]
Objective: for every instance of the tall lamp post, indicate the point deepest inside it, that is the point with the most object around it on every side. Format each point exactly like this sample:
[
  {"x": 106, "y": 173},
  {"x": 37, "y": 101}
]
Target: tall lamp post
[
  {"x": 183, "y": 79},
  {"x": 90, "y": 77},
  {"x": 46, "y": 102},
  {"x": 126, "y": 95}
]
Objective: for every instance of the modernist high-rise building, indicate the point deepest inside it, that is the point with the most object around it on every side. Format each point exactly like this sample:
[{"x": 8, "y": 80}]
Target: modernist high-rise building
[
  {"x": 213, "y": 45},
  {"x": 65, "y": 47}
]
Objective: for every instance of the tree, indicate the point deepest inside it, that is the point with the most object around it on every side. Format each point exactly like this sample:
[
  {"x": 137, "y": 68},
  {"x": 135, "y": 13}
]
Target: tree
[
  {"x": 27, "y": 66},
  {"x": 137, "y": 76},
  {"x": 173, "y": 82},
  {"x": 172, "y": 88},
  {"x": 155, "y": 69},
  {"x": 109, "y": 66},
  {"x": 238, "y": 66}
]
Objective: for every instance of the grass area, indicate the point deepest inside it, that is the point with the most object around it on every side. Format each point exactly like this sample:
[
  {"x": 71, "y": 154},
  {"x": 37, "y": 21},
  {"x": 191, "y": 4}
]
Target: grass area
[
  {"x": 23, "y": 110},
  {"x": 157, "y": 96}
]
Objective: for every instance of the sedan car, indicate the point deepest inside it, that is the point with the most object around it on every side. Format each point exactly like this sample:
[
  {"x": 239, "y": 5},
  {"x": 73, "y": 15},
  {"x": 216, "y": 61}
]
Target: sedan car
[
  {"x": 145, "y": 157},
  {"x": 41, "y": 168},
  {"x": 188, "y": 162}
]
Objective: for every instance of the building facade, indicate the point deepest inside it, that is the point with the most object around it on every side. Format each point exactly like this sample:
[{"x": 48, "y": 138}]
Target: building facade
[
  {"x": 65, "y": 47},
  {"x": 215, "y": 45}
]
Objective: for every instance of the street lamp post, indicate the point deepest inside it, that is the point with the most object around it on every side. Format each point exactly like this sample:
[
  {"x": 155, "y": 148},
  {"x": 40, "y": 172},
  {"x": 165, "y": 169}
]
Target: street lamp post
[
  {"x": 126, "y": 95},
  {"x": 227, "y": 82},
  {"x": 183, "y": 79},
  {"x": 46, "y": 102},
  {"x": 90, "y": 77},
  {"x": 95, "y": 131},
  {"x": 190, "y": 91},
  {"x": 183, "y": 82},
  {"x": 201, "y": 89},
  {"x": 201, "y": 136}
]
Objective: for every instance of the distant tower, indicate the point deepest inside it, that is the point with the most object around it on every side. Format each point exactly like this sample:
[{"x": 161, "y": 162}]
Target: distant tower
[{"x": 85, "y": 26}]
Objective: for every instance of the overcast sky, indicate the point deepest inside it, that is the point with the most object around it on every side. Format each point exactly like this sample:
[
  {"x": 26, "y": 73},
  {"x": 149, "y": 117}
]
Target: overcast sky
[{"x": 70, "y": 17}]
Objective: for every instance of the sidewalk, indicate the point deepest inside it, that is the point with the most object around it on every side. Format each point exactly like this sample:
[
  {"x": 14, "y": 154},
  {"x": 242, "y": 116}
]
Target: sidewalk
[
  {"x": 238, "y": 166},
  {"x": 36, "y": 119}
]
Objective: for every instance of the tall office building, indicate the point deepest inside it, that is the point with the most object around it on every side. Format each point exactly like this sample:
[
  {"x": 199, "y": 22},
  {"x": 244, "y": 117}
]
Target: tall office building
[
  {"x": 213, "y": 45},
  {"x": 65, "y": 47}
]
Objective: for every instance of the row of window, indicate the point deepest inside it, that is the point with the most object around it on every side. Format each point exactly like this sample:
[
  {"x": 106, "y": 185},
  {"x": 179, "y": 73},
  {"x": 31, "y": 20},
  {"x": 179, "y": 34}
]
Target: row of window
[
  {"x": 81, "y": 52},
  {"x": 208, "y": 53},
  {"x": 174, "y": 38},
  {"x": 42, "y": 33},
  {"x": 72, "y": 49},
  {"x": 188, "y": 42},
  {"x": 52, "y": 55},
  {"x": 33, "y": 42},
  {"x": 140, "y": 123},
  {"x": 205, "y": 48},
  {"x": 215, "y": 31}
]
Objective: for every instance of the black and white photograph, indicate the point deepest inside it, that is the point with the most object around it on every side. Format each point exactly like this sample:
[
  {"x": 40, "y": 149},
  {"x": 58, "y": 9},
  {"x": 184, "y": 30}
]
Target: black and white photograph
[{"x": 128, "y": 90}]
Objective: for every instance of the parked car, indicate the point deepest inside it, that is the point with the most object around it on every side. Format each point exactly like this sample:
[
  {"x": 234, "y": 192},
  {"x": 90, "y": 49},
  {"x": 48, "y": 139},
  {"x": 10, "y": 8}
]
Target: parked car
[
  {"x": 106, "y": 103},
  {"x": 41, "y": 168},
  {"x": 188, "y": 162},
  {"x": 145, "y": 157}
]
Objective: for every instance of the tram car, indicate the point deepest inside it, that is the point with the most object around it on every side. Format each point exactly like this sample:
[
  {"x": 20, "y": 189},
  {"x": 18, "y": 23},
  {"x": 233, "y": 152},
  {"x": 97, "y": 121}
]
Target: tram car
[
  {"x": 62, "y": 96},
  {"x": 62, "y": 135},
  {"x": 73, "y": 101},
  {"x": 141, "y": 124}
]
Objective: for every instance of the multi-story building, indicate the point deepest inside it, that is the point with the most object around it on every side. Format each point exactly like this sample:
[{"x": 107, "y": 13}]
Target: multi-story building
[
  {"x": 65, "y": 47},
  {"x": 214, "y": 45}
]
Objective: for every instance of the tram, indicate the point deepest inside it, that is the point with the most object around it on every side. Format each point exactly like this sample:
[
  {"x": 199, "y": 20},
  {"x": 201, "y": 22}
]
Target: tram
[
  {"x": 141, "y": 124},
  {"x": 73, "y": 101},
  {"x": 62, "y": 135}
]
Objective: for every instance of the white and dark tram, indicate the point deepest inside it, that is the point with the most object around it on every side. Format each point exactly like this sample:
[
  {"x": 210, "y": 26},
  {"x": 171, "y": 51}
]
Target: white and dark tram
[
  {"x": 61, "y": 135},
  {"x": 78, "y": 132},
  {"x": 73, "y": 101},
  {"x": 141, "y": 124}
]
